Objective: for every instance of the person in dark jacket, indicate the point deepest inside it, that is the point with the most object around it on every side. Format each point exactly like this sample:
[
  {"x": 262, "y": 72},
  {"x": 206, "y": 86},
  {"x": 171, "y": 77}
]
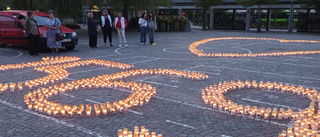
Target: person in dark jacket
[
  {"x": 92, "y": 31},
  {"x": 31, "y": 28}
]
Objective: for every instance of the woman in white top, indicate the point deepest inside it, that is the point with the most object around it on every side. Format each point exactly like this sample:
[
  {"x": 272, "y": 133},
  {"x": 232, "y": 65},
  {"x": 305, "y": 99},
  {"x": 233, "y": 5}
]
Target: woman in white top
[
  {"x": 106, "y": 25},
  {"x": 143, "y": 28}
]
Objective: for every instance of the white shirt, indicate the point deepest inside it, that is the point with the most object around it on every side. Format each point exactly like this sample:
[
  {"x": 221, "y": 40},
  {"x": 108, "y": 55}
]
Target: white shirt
[{"x": 143, "y": 22}]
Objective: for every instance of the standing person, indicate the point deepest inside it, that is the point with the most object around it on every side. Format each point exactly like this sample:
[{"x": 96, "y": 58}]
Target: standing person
[
  {"x": 53, "y": 26},
  {"x": 31, "y": 28},
  {"x": 92, "y": 31},
  {"x": 121, "y": 25},
  {"x": 106, "y": 25},
  {"x": 152, "y": 23},
  {"x": 143, "y": 28}
]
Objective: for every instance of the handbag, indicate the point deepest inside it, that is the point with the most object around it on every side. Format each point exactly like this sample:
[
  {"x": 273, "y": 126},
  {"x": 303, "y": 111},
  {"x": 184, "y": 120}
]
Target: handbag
[{"x": 59, "y": 36}]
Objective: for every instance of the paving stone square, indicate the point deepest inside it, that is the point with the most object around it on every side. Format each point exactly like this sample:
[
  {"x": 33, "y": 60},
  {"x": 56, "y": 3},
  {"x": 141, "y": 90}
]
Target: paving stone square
[{"x": 177, "y": 110}]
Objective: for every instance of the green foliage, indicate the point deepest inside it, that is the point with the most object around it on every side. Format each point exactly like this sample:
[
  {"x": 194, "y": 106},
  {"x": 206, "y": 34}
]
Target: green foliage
[
  {"x": 248, "y": 3},
  {"x": 72, "y": 8},
  {"x": 62, "y": 8},
  {"x": 183, "y": 19},
  {"x": 4, "y": 4},
  {"x": 310, "y": 4},
  {"x": 207, "y": 3},
  {"x": 118, "y": 5}
]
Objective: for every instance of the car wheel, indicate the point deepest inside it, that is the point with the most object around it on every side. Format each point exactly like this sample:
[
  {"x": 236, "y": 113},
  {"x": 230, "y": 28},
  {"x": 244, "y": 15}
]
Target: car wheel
[
  {"x": 2, "y": 45},
  {"x": 70, "y": 47}
]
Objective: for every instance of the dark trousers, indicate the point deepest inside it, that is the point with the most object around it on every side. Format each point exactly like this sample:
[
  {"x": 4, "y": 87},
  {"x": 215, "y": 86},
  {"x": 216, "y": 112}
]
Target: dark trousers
[
  {"x": 107, "y": 32},
  {"x": 33, "y": 41},
  {"x": 93, "y": 41},
  {"x": 143, "y": 31}
]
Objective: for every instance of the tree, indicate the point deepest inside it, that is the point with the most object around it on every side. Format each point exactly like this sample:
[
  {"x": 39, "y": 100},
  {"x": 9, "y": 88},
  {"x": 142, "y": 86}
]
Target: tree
[
  {"x": 63, "y": 8},
  {"x": 125, "y": 5},
  {"x": 4, "y": 4},
  {"x": 248, "y": 3},
  {"x": 205, "y": 4},
  {"x": 310, "y": 4}
]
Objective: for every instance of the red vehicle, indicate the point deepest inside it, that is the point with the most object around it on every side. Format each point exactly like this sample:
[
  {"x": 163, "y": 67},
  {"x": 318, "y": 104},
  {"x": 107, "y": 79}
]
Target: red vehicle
[{"x": 11, "y": 30}]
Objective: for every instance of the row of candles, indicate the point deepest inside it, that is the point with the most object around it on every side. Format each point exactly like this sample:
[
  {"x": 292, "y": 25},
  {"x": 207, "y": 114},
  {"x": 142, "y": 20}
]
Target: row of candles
[
  {"x": 55, "y": 74},
  {"x": 37, "y": 100},
  {"x": 141, "y": 93},
  {"x": 194, "y": 50},
  {"x": 137, "y": 132},
  {"x": 59, "y": 72},
  {"x": 213, "y": 95},
  {"x": 90, "y": 62},
  {"x": 305, "y": 127},
  {"x": 45, "y": 62}
]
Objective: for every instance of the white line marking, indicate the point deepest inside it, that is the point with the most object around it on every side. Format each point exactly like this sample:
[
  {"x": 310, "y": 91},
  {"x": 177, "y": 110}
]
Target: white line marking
[
  {"x": 242, "y": 48},
  {"x": 100, "y": 56},
  {"x": 135, "y": 112},
  {"x": 308, "y": 57},
  {"x": 271, "y": 96},
  {"x": 211, "y": 109},
  {"x": 25, "y": 71},
  {"x": 257, "y": 101},
  {"x": 180, "y": 124},
  {"x": 225, "y": 136},
  {"x": 270, "y": 73},
  {"x": 92, "y": 101},
  {"x": 118, "y": 51},
  {"x": 144, "y": 61},
  {"x": 148, "y": 77},
  {"x": 166, "y": 50},
  {"x": 82, "y": 129},
  {"x": 20, "y": 53},
  {"x": 207, "y": 72},
  {"x": 69, "y": 78},
  {"x": 283, "y": 63},
  {"x": 128, "y": 57},
  {"x": 314, "y": 62},
  {"x": 194, "y": 67},
  {"x": 86, "y": 70},
  {"x": 175, "y": 81},
  {"x": 306, "y": 81},
  {"x": 68, "y": 95},
  {"x": 152, "y": 82}
]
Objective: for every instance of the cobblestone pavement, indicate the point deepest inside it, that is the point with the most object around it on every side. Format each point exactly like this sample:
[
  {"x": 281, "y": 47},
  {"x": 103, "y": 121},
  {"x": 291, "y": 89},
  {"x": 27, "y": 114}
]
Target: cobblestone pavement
[{"x": 177, "y": 110}]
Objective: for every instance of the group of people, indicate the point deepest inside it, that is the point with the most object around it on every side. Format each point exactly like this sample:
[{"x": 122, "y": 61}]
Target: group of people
[
  {"x": 120, "y": 24},
  {"x": 106, "y": 24},
  {"x": 53, "y": 26}
]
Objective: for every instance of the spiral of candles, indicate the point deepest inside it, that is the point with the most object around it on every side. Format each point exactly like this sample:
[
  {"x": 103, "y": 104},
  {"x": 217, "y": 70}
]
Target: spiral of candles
[
  {"x": 141, "y": 93},
  {"x": 213, "y": 95},
  {"x": 194, "y": 50},
  {"x": 137, "y": 132}
]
